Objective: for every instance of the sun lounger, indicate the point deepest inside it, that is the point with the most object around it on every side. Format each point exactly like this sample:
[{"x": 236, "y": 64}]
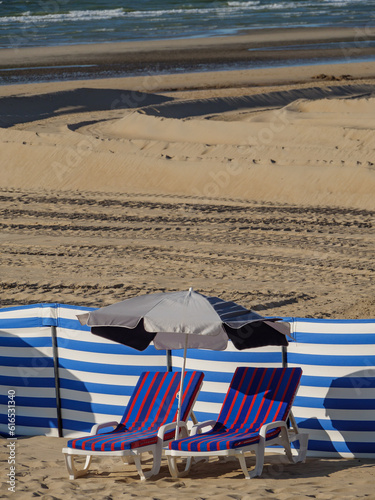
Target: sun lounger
[
  {"x": 147, "y": 425},
  {"x": 253, "y": 415}
]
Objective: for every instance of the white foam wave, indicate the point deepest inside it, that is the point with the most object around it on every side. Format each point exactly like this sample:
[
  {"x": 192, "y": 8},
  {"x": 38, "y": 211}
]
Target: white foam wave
[
  {"x": 224, "y": 10},
  {"x": 231, "y": 7},
  {"x": 76, "y": 15},
  {"x": 257, "y": 5},
  {"x": 88, "y": 15},
  {"x": 282, "y": 6},
  {"x": 341, "y": 2},
  {"x": 244, "y": 4}
]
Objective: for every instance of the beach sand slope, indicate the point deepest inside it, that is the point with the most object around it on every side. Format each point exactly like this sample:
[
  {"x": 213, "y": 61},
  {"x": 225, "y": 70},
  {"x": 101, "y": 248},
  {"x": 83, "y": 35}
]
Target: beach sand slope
[{"x": 256, "y": 192}]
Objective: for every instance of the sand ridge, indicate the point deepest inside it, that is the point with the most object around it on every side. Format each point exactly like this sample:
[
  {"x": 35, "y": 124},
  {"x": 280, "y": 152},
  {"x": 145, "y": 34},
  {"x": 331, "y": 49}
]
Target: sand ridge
[{"x": 263, "y": 147}]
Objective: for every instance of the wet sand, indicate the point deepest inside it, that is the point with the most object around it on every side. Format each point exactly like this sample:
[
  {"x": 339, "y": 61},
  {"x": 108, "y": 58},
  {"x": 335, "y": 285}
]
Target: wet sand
[{"x": 253, "y": 49}]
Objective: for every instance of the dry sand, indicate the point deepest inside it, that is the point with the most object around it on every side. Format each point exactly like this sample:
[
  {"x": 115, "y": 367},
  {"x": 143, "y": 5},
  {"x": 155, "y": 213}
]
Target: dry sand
[
  {"x": 253, "y": 190},
  {"x": 254, "y": 185},
  {"x": 41, "y": 473}
]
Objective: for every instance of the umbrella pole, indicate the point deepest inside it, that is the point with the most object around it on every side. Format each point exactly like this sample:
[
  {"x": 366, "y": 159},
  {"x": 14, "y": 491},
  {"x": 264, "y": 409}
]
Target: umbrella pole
[{"x": 181, "y": 388}]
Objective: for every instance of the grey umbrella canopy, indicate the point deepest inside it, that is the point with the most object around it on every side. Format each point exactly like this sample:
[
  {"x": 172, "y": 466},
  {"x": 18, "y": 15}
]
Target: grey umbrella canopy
[
  {"x": 185, "y": 319},
  {"x": 176, "y": 320}
]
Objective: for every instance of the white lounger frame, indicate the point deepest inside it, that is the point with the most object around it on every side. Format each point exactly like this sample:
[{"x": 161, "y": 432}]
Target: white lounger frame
[
  {"x": 128, "y": 456},
  {"x": 285, "y": 437}
]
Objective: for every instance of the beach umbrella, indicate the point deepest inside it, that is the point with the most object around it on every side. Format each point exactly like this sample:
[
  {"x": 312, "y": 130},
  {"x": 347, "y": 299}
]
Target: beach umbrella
[{"x": 182, "y": 320}]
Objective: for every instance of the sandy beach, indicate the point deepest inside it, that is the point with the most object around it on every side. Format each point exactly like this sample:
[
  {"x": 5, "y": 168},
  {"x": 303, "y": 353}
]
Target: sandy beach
[
  {"x": 41, "y": 473},
  {"x": 256, "y": 185}
]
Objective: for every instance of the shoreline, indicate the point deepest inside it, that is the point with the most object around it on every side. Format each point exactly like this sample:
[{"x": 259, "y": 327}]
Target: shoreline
[
  {"x": 255, "y": 49},
  {"x": 221, "y": 83}
]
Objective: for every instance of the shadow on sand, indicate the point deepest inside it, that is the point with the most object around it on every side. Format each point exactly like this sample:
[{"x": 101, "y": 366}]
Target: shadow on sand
[{"x": 23, "y": 109}]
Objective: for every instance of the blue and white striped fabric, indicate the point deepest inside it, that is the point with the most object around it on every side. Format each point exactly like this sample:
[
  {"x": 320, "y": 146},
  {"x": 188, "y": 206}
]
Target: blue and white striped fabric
[
  {"x": 97, "y": 376},
  {"x": 26, "y": 367},
  {"x": 336, "y": 400}
]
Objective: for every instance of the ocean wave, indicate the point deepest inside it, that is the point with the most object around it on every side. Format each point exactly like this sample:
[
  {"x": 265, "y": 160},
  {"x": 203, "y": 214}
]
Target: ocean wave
[
  {"x": 292, "y": 4},
  {"x": 95, "y": 15},
  {"x": 341, "y": 2},
  {"x": 244, "y": 4},
  {"x": 74, "y": 15},
  {"x": 229, "y": 7},
  {"x": 168, "y": 12},
  {"x": 29, "y": 23}
]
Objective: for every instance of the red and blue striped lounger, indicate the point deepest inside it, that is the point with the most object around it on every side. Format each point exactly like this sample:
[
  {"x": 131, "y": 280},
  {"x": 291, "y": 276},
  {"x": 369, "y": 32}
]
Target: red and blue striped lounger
[
  {"x": 148, "y": 424},
  {"x": 253, "y": 415}
]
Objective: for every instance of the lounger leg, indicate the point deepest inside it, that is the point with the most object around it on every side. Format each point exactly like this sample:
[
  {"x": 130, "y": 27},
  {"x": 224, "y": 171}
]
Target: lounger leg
[
  {"x": 173, "y": 468},
  {"x": 155, "y": 465},
  {"x": 303, "y": 443},
  {"x": 286, "y": 443},
  {"x": 303, "y": 440},
  {"x": 73, "y": 472},
  {"x": 259, "y": 458},
  {"x": 138, "y": 464},
  {"x": 244, "y": 468}
]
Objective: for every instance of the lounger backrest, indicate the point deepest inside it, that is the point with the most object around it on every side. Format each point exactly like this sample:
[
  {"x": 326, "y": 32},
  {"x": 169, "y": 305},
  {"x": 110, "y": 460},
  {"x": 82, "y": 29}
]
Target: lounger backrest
[
  {"x": 154, "y": 401},
  {"x": 257, "y": 396}
]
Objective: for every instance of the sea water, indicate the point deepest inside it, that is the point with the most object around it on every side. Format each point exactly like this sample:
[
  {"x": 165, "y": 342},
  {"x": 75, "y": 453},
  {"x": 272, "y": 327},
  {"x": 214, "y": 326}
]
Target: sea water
[{"x": 33, "y": 23}]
